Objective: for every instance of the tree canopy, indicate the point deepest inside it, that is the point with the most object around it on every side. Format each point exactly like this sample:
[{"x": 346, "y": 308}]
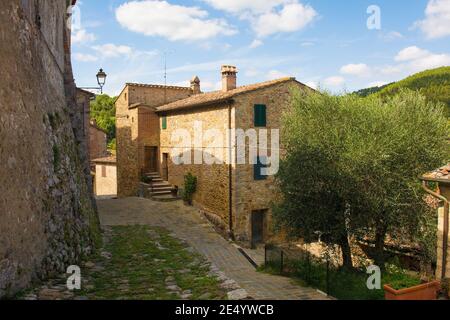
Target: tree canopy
[
  {"x": 352, "y": 165},
  {"x": 104, "y": 112}
]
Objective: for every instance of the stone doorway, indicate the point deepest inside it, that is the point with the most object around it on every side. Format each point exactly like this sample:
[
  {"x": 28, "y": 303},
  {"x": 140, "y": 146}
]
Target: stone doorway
[
  {"x": 165, "y": 166},
  {"x": 258, "y": 218},
  {"x": 151, "y": 159}
]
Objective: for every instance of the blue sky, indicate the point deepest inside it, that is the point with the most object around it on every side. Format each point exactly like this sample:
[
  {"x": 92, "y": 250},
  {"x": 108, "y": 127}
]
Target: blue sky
[{"x": 320, "y": 42}]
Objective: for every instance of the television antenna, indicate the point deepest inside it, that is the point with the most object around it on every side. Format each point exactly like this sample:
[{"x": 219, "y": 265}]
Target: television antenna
[{"x": 165, "y": 54}]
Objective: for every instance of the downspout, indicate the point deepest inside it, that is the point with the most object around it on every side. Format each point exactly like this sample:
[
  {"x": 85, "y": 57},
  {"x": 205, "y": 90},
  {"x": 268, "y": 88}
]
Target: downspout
[
  {"x": 445, "y": 231},
  {"x": 230, "y": 176}
]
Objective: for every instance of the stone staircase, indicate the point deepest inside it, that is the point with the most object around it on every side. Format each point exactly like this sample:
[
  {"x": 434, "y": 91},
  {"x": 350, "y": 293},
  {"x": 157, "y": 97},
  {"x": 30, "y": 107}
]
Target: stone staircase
[{"x": 159, "y": 189}]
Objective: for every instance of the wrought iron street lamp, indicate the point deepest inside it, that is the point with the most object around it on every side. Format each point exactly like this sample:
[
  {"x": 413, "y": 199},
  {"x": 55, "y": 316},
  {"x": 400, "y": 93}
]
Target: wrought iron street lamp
[{"x": 101, "y": 80}]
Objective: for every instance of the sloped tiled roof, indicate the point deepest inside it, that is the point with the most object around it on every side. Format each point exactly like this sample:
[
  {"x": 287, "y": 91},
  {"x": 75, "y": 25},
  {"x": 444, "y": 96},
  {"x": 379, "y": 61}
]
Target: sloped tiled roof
[
  {"x": 218, "y": 96},
  {"x": 441, "y": 175},
  {"x": 110, "y": 159},
  {"x": 158, "y": 86}
]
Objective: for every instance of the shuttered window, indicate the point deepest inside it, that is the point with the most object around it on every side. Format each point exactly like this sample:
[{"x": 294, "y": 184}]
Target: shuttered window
[
  {"x": 164, "y": 123},
  {"x": 257, "y": 174},
  {"x": 260, "y": 115}
]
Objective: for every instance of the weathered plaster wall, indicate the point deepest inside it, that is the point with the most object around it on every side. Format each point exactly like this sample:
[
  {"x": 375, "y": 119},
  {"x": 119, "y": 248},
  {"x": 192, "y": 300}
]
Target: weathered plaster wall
[
  {"x": 105, "y": 180},
  {"x": 47, "y": 218},
  {"x": 445, "y": 191}
]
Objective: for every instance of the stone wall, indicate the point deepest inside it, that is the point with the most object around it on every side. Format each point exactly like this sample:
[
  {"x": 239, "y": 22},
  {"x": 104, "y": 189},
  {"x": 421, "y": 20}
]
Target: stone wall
[
  {"x": 213, "y": 180},
  {"x": 138, "y": 127},
  {"x": 251, "y": 195},
  {"x": 97, "y": 142},
  {"x": 48, "y": 218}
]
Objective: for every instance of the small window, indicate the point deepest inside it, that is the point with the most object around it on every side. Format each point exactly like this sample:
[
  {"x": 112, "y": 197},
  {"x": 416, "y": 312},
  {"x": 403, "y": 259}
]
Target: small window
[
  {"x": 257, "y": 174},
  {"x": 103, "y": 171},
  {"x": 260, "y": 115},
  {"x": 164, "y": 123}
]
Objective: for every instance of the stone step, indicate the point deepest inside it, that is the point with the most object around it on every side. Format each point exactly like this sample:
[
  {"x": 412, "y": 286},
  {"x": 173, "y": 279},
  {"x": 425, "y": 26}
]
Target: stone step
[
  {"x": 161, "y": 188},
  {"x": 158, "y": 193},
  {"x": 164, "y": 198},
  {"x": 157, "y": 180},
  {"x": 160, "y": 184}
]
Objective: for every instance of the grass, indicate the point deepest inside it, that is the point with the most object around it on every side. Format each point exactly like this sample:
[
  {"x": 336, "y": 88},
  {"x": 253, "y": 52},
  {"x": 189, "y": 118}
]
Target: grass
[
  {"x": 142, "y": 258},
  {"x": 343, "y": 284}
]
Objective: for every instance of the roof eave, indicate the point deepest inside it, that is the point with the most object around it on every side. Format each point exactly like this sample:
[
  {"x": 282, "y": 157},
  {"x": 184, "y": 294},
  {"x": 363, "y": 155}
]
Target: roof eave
[{"x": 196, "y": 105}]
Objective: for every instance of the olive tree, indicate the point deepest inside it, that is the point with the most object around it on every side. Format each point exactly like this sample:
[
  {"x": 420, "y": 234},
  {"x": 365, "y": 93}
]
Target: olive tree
[{"x": 351, "y": 166}]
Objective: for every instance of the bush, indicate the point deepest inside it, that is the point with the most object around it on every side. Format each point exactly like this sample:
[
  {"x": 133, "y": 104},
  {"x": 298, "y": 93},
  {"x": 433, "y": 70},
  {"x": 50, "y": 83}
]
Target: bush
[{"x": 190, "y": 186}]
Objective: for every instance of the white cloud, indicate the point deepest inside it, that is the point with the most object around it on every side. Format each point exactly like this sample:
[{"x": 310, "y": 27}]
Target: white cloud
[
  {"x": 360, "y": 70},
  {"x": 81, "y": 36},
  {"x": 243, "y": 6},
  {"x": 411, "y": 53},
  {"x": 437, "y": 19},
  {"x": 113, "y": 51},
  {"x": 335, "y": 81},
  {"x": 275, "y": 74},
  {"x": 377, "y": 84},
  {"x": 391, "y": 36},
  {"x": 256, "y": 43},
  {"x": 82, "y": 57},
  {"x": 307, "y": 44},
  {"x": 418, "y": 59},
  {"x": 292, "y": 17},
  {"x": 174, "y": 22}
]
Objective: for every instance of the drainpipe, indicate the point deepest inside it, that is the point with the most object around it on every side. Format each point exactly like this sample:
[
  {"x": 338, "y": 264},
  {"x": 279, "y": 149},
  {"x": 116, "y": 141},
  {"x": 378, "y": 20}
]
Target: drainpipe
[
  {"x": 445, "y": 231},
  {"x": 230, "y": 177}
]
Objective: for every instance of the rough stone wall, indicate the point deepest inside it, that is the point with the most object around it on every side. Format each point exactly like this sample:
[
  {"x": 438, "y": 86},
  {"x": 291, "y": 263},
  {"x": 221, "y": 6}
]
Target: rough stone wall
[
  {"x": 134, "y": 132},
  {"x": 97, "y": 143},
  {"x": 47, "y": 218},
  {"x": 213, "y": 182},
  {"x": 84, "y": 102},
  {"x": 249, "y": 194}
]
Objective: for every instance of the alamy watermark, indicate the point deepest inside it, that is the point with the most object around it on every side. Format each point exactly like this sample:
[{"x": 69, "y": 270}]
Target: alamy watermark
[
  {"x": 227, "y": 146},
  {"x": 74, "y": 280},
  {"x": 374, "y": 20}
]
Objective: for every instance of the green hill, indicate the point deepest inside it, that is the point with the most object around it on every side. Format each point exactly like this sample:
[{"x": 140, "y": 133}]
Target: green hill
[{"x": 434, "y": 84}]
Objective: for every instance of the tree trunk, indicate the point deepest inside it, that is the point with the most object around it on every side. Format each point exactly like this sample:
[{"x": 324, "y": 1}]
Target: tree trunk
[
  {"x": 380, "y": 236},
  {"x": 347, "y": 260}
]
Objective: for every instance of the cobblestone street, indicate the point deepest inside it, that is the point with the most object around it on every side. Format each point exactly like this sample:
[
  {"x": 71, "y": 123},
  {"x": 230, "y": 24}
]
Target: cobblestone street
[{"x": 187, "y": 224}]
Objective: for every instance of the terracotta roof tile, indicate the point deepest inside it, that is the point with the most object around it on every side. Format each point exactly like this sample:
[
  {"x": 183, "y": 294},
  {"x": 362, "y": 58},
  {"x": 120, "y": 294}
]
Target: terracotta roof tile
[
  {"x": 442, "y": 174},
  {"x": 218, "y": 96},
  {"x": 110, "y": 159},
  {"x": 159, "y": 86}
]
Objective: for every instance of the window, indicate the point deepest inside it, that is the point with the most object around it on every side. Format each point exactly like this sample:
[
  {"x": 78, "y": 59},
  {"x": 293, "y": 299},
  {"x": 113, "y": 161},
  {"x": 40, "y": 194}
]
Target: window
[
  {"x": 257, "y": 174},
  {"x": 103, "y": 171},
  {"x": 164, "y": 123},
  {"x": 260, "y": 115}
]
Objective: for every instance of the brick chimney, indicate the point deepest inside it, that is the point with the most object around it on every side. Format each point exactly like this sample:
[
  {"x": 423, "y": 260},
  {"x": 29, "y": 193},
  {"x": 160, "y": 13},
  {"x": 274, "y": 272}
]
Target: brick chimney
[
  {"x": 195, "y": 85},
  {"x": 229, "y": 78}
]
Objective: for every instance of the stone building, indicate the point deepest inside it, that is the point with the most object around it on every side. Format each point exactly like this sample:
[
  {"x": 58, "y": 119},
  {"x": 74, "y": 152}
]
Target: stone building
[
  {"x": 441, "y": 177},
  {"x": 105, "y": 178},
  {"x": 48, "y": 219},
  {"x": 235, "y": 195}
]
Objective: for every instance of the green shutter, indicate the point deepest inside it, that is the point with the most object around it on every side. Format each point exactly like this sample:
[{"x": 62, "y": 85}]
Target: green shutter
[
  {"x": 164, "y": 123},
  {"x": 257, "y": 170},
  {"x": 260, "y": 115}
]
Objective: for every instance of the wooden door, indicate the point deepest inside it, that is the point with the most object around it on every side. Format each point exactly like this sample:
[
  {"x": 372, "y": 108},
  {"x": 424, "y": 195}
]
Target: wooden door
[
  {"x": 257, "y": 221},
  {"x": 165, "y": 167}
]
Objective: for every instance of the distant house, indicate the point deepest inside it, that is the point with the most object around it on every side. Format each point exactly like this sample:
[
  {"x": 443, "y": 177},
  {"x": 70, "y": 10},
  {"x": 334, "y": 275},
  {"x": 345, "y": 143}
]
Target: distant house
[
  {"x": 105, "y": 177},
  {"x": 441, "y": 176},
  {"x": 235, "y": 196}
]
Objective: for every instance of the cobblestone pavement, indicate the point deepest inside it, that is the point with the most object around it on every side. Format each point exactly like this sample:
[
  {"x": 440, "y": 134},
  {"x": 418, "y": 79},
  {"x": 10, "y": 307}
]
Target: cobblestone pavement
[{"x": 188, "y": 224}]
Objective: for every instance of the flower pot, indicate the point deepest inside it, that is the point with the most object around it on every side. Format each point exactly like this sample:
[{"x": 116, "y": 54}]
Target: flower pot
[{"x": 426, "y": 291}]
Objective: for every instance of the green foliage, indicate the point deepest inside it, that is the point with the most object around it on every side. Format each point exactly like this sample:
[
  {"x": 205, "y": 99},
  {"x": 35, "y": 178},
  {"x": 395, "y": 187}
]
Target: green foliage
[
  {"x": 56, "y": 157},
  {"x": 103, "y": 111},
  {"x": 112, "y": 145},
  {"x": 190, "y": 186},
  {"x": 433, "y": 84},
  {"x": 372, "y": 90},
  {"x": 352, "y": 165}
]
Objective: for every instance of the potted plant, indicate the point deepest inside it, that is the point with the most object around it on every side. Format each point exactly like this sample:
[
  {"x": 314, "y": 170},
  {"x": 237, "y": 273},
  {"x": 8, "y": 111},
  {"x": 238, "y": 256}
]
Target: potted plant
[
  {"x": 424, "y": 291},
  {"x": 190, "y": 186}
]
